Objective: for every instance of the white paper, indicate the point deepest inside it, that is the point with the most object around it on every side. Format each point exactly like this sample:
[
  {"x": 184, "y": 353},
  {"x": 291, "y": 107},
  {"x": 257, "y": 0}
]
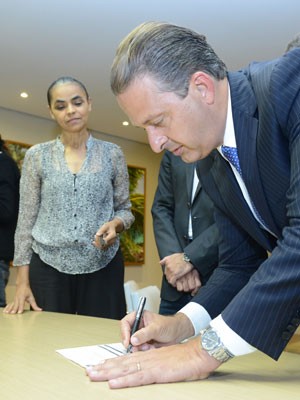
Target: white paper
[{"x": 91, "y": 355}]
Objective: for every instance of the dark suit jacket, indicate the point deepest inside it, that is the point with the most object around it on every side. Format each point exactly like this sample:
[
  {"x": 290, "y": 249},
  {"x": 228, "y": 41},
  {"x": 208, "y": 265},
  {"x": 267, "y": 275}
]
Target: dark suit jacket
[
  {"x": 259, "y": 297},
  {"x": 9, "y": 205},
  {"x": 170, "y": 212}
]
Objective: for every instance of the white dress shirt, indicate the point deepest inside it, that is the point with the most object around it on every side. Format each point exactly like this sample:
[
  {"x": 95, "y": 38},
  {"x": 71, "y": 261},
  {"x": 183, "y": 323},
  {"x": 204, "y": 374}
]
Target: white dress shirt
[
  {"x": 195, "y": 185},
  {"x": 199, "y": 317}
]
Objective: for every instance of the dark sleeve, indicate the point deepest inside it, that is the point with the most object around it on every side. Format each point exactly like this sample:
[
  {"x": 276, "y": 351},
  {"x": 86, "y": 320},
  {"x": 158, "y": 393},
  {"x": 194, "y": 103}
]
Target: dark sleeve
[
  {"x": 203, "y": 250},
  {"x": 163, "y": 211},
  {"x": 9, "y": 189}
]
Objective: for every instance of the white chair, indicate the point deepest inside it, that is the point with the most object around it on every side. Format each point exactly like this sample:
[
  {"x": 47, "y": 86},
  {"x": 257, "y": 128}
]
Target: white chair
[
  {"x": 152, "y": 294},
  {"x": 129, "y": 287}
]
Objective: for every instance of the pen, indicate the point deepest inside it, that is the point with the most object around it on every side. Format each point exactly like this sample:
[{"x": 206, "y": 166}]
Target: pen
[{"x": 138, "y": 317}]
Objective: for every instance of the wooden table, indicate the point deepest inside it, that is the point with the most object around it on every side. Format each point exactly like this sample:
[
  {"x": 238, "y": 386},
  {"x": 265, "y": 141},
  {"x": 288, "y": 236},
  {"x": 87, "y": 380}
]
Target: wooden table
[
  {"x": 294, "y": 345},
  {"x": 30, "y": 368}
]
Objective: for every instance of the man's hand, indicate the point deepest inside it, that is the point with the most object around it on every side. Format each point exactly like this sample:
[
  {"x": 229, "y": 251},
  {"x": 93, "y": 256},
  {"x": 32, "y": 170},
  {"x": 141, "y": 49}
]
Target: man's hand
[
  {"x": 175, "y": 267},
  {"x": 190, "y": 282},
  {"x": 181, "y": 362},
  {"x": 156, "y": 330}
]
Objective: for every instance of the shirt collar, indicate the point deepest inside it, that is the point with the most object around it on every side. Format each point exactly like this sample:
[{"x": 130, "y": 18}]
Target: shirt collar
[{"x": 229, "y": 134}]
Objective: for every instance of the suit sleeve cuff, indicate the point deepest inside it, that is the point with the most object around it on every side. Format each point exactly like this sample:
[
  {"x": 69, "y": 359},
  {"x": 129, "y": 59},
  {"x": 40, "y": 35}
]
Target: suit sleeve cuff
[
  {"x": 198, "y": 316},
  {"x": 231, "y": 340},
  {"x": 200, "y": 319}
]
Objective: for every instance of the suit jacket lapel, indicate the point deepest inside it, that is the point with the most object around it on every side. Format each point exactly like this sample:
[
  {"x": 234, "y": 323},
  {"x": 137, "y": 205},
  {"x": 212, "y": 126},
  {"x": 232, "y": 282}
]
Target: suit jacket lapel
[
  {"x": 228, "y": 188},
  {"x": 246, "y": 129}
]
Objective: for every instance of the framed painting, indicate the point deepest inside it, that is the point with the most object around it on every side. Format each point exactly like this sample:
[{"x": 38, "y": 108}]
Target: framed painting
[
  {"x": 17, "y": 151},
  {"x": 133, "y": 240}
]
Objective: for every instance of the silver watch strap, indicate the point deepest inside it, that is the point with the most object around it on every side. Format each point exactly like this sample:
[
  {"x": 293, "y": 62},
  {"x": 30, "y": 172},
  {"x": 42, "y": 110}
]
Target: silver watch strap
[{"x": 212, "y": 343}]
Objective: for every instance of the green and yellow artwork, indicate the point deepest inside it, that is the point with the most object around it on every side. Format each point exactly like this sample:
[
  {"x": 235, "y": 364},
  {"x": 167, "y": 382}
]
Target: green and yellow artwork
[{"x": 132, "y": 240}]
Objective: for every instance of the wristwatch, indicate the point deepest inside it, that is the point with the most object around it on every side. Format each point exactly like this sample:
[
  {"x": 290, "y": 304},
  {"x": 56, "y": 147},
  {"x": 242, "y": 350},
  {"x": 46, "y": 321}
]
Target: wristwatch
[
  {"x": 186, "y": 258},
  {"x": 214, "y": 346}
]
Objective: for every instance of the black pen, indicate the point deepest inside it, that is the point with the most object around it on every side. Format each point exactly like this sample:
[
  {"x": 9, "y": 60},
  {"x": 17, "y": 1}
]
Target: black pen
[{"x": 138, "y": 317}]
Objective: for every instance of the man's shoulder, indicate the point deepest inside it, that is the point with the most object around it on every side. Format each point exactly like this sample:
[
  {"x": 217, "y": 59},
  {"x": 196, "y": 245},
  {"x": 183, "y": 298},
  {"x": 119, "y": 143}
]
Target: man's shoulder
[
  {"x": 266, "y": 83},
  {"x": 277, "y": 72}
]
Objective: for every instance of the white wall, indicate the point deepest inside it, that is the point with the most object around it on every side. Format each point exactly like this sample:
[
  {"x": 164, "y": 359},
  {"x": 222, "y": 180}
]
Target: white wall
[{"x": 29, "y": 129}]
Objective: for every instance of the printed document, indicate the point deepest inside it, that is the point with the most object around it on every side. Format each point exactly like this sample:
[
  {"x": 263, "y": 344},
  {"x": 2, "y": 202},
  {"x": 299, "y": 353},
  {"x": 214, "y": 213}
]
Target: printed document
[{"x": 91, "y": 355}]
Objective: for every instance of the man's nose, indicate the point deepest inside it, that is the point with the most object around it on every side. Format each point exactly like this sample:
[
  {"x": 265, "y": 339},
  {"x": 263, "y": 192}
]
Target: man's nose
[{"x": 157, "y": 142}]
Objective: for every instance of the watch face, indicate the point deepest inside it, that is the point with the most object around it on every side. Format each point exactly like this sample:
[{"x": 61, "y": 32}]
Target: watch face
[
  {"x": 210, "y": 340},
  {"x": 186, "y": 258}
]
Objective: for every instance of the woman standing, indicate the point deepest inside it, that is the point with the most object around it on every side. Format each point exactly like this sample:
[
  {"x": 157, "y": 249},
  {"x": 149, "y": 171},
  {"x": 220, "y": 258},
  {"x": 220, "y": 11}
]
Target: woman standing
[{"x": 74, "y": 200}]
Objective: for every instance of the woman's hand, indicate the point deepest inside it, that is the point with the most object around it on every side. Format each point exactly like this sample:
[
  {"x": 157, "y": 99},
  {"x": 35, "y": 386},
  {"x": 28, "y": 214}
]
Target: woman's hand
[
  {"x": 23, "y": 294},
  {"x": 108, "y": 233}
]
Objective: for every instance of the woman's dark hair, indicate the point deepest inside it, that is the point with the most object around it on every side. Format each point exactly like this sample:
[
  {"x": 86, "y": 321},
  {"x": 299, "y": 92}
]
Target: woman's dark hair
[{"x": 62, "y": 80}]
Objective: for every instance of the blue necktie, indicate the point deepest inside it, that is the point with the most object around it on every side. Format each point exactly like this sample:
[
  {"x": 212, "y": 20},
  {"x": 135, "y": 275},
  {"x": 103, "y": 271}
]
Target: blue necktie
[{"x": 232, "y": 156}]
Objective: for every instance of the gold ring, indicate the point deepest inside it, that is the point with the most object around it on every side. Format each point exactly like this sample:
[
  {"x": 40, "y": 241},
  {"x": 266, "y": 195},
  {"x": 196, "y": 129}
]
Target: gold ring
[{"x": 138, "y": 366}]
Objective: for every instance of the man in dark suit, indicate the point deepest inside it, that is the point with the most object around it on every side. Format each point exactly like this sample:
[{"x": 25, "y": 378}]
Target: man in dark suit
[
  {"x": 9, "y": 206},
  {"x": 169, "y": 81},
  {"x": 185, "y": 232}
]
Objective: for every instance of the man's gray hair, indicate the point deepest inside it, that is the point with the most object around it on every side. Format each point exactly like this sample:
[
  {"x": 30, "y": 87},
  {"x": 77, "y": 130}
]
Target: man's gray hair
[{"x": 169, "y": 53}]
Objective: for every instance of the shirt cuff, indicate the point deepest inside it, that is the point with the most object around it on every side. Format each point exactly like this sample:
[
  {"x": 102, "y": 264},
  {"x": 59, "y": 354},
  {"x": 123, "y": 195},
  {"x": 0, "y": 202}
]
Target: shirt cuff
[
  {"x": 231, "y": 340},
  {"x": 198, "y": 316}
]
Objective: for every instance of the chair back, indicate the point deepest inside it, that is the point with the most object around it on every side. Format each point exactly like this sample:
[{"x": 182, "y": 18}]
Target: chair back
[
  {"x": 152, "y": 294},
  {"x": 129, "y": 288}
]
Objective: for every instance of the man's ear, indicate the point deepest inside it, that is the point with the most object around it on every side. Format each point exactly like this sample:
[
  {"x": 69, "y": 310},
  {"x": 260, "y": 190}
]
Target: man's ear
[{"x": 204, "y": 84}]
